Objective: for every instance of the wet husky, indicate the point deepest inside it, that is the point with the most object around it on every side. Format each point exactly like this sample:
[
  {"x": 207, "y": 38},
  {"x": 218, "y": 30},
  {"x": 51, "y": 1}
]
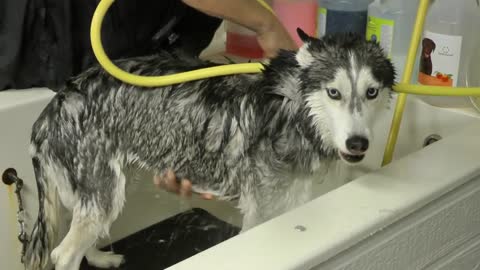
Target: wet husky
[{"x": 246, "y": 137}]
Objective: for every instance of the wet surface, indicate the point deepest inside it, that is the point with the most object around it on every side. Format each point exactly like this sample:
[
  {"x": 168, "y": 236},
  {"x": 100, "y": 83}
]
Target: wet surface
[{"x": 170, "y": 241}]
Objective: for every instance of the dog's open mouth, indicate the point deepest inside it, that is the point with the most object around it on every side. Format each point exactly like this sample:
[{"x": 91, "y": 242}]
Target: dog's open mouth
[{"x": 351, "y": 158}]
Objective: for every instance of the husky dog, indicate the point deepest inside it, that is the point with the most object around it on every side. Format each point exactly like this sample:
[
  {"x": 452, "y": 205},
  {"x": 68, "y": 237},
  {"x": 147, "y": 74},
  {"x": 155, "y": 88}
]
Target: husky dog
[{"x": 243, "y": 137}]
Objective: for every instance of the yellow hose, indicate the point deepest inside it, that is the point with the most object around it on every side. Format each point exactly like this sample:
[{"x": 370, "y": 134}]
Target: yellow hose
[
  {"x": 151, "y": 81},
  {"x": 265, "y": 5},
  {"x": 427, "y": 90},
  {"x": 407, "y": 75}
]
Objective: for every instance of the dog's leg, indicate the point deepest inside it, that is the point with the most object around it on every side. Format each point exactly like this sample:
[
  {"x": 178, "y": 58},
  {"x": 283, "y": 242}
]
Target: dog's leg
[
  {"x": 296, "y": 192},
  {"x": 249, "y": 221},
  {"x": 92, "y": 216},
  {"x": 84, "y": 231},
  {"x": 103, "y": 259},
  {"x": 86, "y": 227},
  {"x": 273, "y": 202},
  {"x": 248, "y": 206}
]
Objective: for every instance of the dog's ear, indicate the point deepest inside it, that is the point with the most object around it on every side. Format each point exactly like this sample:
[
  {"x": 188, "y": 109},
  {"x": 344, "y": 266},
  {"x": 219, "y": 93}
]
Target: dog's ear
[
  {"x": 304, "y": 55},
  {"x": 304, "y": 36}
]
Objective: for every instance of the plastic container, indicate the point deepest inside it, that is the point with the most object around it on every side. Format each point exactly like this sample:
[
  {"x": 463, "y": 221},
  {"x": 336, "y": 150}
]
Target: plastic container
[
  {"x": 390, "y": 22},
  {"x": 242, "y": 42},
  {"x": 336, "y": 16},
  {"x": 447, "y": 48},
  {"x": 473, "y": 74},
  {"x": 297, "y": 14}
]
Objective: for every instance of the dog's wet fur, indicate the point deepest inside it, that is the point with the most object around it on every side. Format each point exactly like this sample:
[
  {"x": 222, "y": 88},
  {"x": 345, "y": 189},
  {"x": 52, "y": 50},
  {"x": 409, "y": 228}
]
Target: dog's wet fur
[{"x": 254, "y": 138}]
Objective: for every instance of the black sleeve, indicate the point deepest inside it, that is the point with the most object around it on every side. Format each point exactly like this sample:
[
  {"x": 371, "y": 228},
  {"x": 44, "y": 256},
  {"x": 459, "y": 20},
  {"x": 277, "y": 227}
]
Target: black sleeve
[{"x": 43, "y": 43}]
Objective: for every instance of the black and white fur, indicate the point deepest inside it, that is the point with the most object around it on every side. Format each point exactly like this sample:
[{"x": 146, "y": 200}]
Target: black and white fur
[{"x": 251, "y": 137}]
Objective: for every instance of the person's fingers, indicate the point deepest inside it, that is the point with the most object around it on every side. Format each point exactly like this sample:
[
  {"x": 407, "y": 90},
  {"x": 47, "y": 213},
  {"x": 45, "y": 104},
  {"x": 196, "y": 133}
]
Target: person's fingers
[
  {"x": 186, "y": 188},
  {"x": 157, "y": 181},
  {"x": 207, "y": 196},
  {"x": 170, "y": 175},
  {"x": 274, "y": 40},
  {"x": 167, "y": 181},
  {"x": 171, "y": 183},
  {"x": 273, "y": 36}
]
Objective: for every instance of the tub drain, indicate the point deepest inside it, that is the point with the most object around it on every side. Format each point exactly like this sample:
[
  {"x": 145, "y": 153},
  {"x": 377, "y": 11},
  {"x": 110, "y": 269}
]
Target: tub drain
[{"x": 431, "y": 139}]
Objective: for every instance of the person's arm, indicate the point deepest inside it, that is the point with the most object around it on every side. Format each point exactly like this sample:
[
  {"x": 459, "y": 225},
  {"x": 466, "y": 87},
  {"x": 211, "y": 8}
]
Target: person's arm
[
  {"x": 272, "y": 36},
  {"x": 249, "y": 13}
]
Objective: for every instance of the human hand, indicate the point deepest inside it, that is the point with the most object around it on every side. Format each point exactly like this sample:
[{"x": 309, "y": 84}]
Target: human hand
[
  {"x": 169, "y": 182},
  {"x": 271, "y": 33},
  {"x": 273, "y": 36}
]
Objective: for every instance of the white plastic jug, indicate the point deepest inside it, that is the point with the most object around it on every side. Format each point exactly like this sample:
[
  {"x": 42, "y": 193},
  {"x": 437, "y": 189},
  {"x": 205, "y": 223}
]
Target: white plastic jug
[
  {"x": 447, "y": 48},
  {"x": 390, "y": 22},
  {"x": 473, "y": 75}
]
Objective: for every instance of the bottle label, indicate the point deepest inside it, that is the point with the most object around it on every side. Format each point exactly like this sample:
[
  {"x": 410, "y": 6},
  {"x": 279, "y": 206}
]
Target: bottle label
[
  {"x": 322, "y": 22},
  {"x": 381, "y": 31},
  {"x": 439, "y": 59}
]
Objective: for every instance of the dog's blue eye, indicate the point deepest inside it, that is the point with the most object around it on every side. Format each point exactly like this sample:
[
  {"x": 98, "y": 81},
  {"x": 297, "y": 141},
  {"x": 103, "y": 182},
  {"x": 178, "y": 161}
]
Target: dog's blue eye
[
  {"x": 334, "y": 93},
  {"x": 372, "y": 93}
]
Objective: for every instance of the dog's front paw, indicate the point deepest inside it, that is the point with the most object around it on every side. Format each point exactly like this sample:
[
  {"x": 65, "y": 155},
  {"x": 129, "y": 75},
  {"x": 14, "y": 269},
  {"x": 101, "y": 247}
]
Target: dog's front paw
[
  {"x": 64, "y": 259},
  {"x": 55, "y": 255},
  {"x": 104, "y": 259}
]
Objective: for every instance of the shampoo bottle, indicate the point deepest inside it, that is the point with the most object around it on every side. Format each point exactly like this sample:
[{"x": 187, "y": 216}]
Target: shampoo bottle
[{"x": 447, "y": 47}]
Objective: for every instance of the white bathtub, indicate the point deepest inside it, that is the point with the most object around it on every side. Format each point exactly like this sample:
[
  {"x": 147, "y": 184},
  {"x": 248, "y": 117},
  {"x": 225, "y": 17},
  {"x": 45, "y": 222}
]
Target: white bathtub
[{"x": 420, "y": 212}]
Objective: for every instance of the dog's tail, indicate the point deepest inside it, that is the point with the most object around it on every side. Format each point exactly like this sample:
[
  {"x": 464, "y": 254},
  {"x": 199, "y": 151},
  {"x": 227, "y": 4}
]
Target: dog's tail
[{"x": 45, "y": 229}]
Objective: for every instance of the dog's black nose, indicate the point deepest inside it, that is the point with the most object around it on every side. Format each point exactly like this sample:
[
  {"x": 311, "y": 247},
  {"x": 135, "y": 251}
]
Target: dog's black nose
[{"x": 357, "y": 144}]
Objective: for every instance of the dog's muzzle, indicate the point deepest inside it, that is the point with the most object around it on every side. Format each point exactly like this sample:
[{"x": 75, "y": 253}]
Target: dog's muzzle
[{"x": 356, "y": 146}]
